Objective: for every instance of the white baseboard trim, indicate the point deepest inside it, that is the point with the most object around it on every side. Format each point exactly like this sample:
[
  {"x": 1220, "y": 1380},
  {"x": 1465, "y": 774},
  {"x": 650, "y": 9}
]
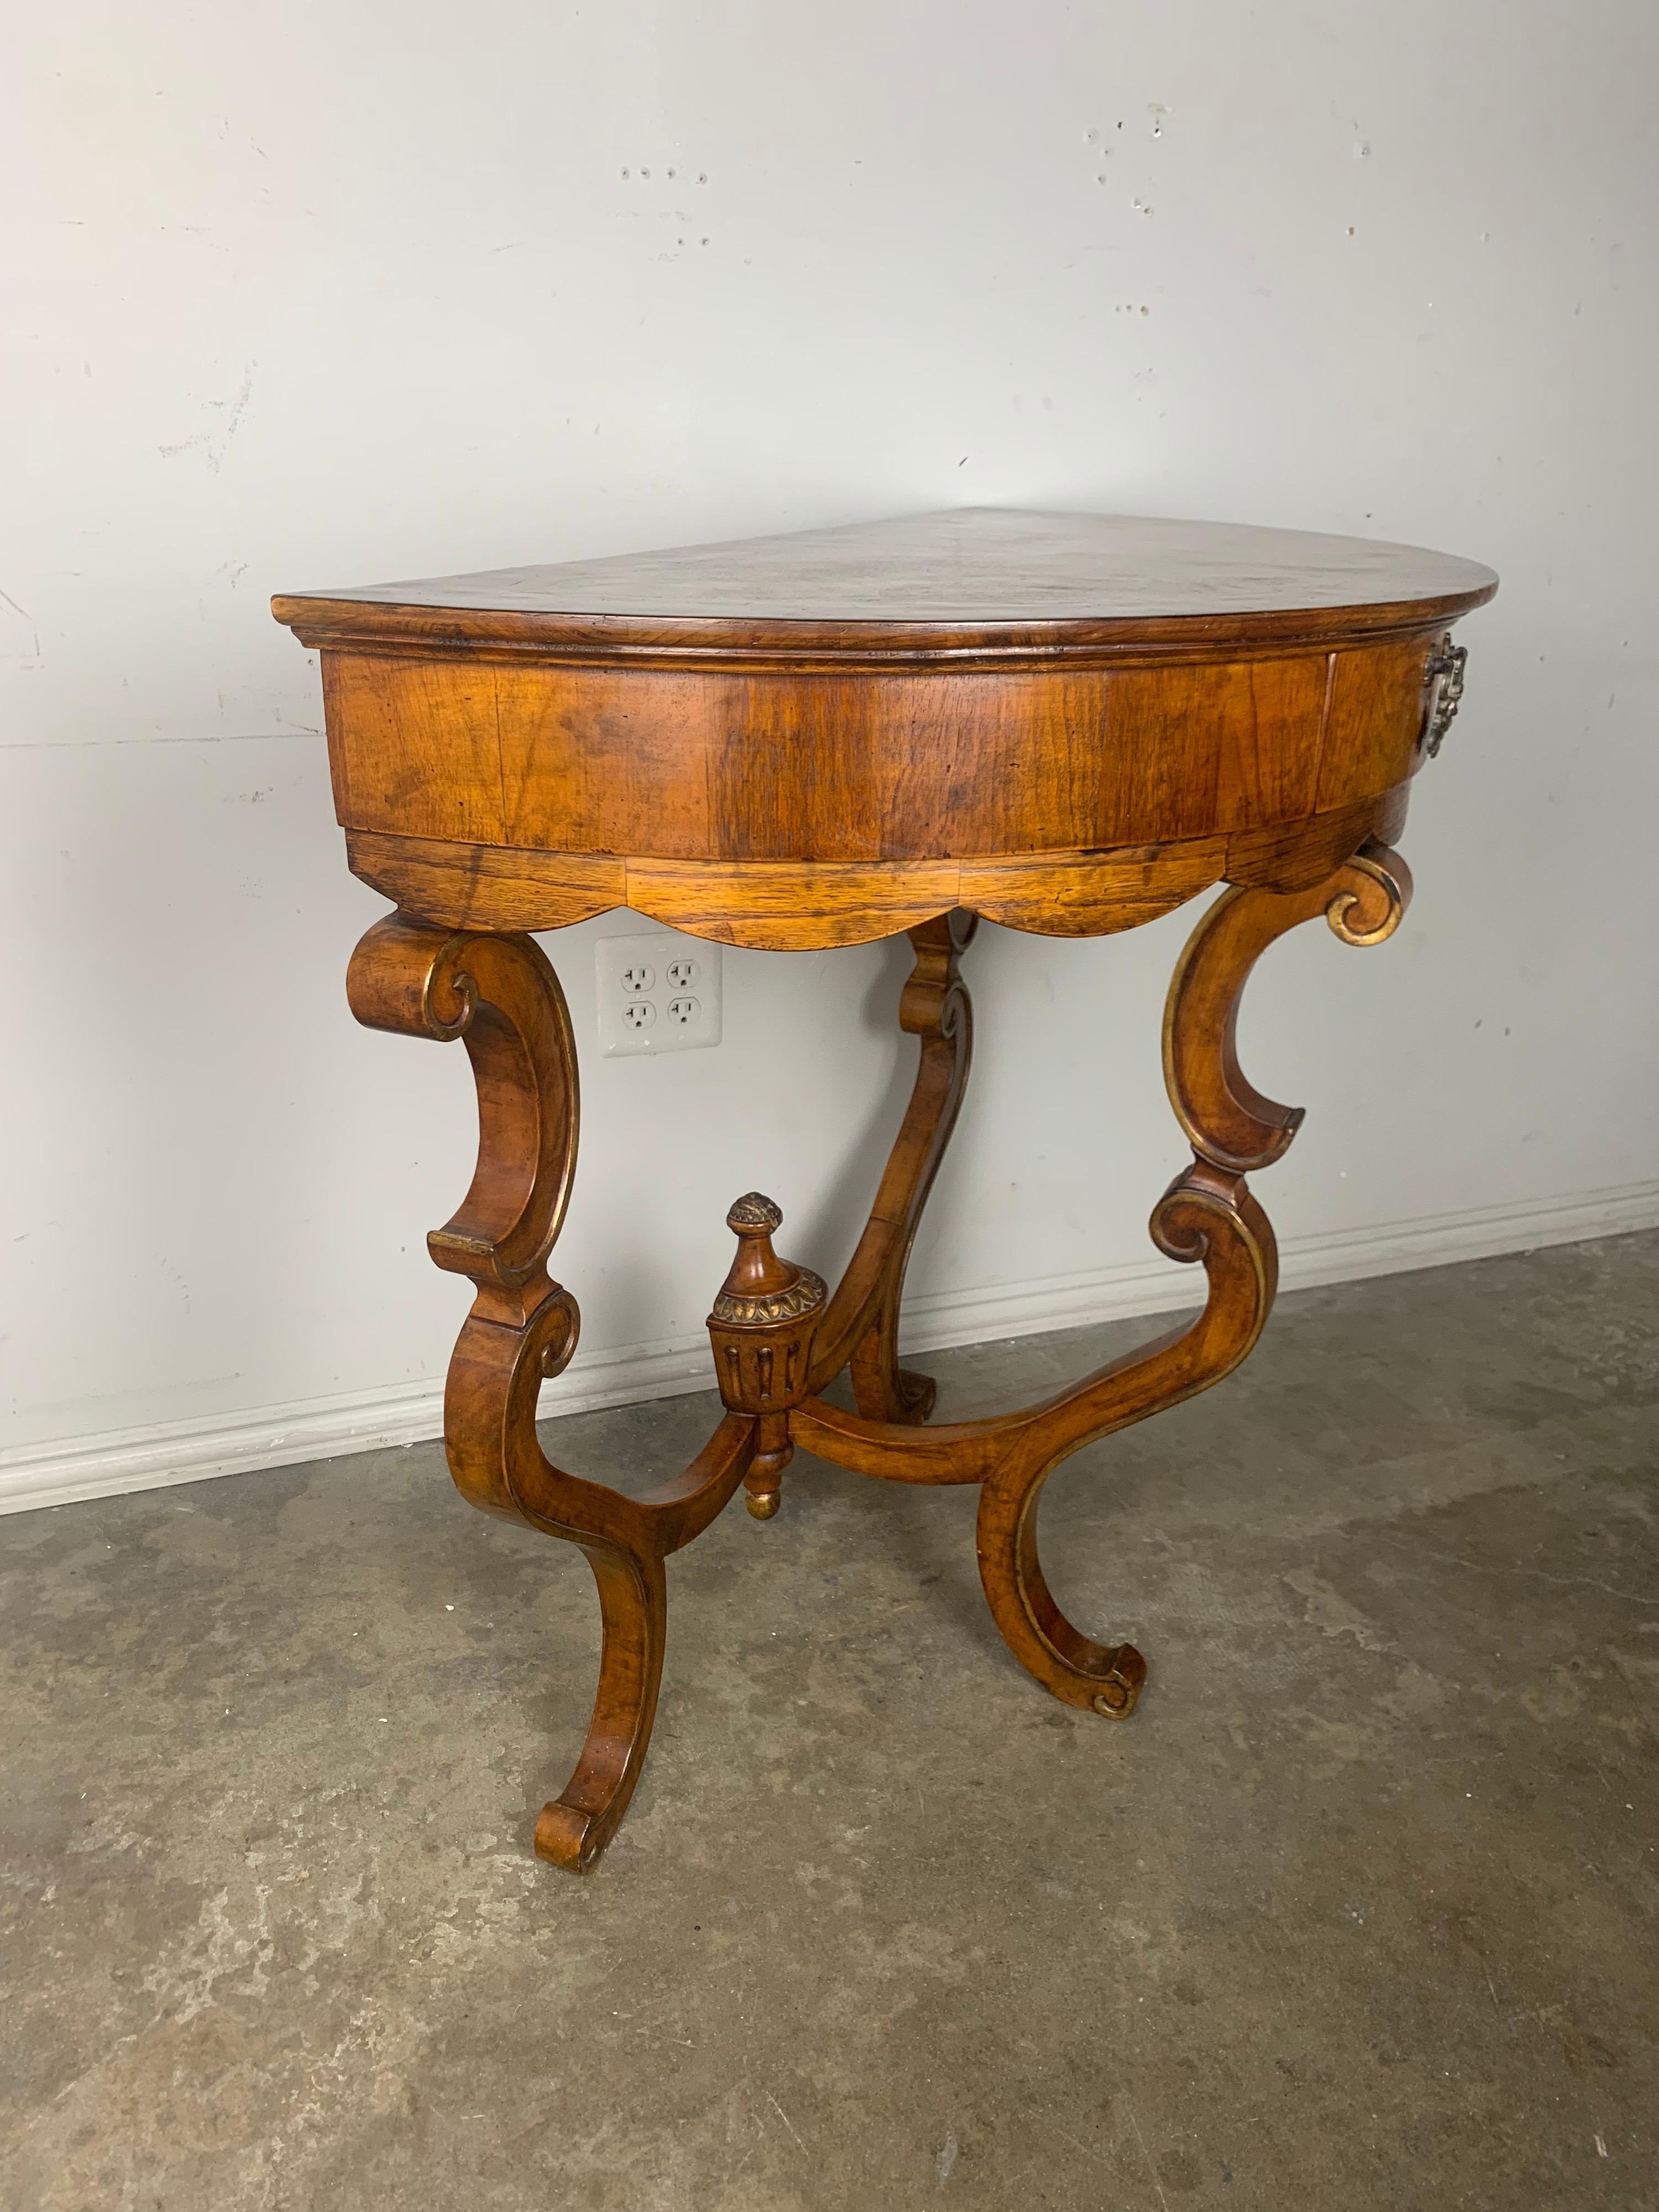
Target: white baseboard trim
[
  {"x": 1342, "y": 1255},
  {"x": 166, "y": 1452}
]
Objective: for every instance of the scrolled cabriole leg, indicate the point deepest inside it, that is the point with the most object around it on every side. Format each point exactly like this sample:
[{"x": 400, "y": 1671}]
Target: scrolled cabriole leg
[
  {"x": 1228, "y": 1120},
  {"x": 1208, "y": 1213},
  {"x": 499, "y": 994},
  {"x": 861, "y": 1323}
]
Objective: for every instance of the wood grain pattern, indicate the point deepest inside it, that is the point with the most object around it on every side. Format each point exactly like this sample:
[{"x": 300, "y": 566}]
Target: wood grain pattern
[
  {"x": 791, "y": 904},
  {"x": 973, "y": 687},
  {"x": 708, "y": 765},
  {"x": 1375, "y": 727},
  {"x": 1229, "y": 1122},
  {"x": 862, "y": 1320},
  {"x": 417, "y": 746},
  {"x": 795, "y": 905},
  {"x": 998, "y": 581},
  {"x": 488, "y": 886},
  {"x": 1067, "y": 723}
]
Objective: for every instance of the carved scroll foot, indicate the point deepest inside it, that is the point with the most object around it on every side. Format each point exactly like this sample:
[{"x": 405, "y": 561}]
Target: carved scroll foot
[
  {"x": 575, "y": 1828},
  {"x": 1101, "y": 1678},
  {"x": 882, "y": 1389}
]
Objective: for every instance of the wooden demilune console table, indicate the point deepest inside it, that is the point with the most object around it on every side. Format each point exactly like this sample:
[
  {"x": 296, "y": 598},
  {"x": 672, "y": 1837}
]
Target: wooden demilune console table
[{"x": 1069, "y": 723}]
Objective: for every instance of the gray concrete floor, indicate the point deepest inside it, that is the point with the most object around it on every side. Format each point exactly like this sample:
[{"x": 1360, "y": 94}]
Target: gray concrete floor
[{"x": 1358, "y": 1910}]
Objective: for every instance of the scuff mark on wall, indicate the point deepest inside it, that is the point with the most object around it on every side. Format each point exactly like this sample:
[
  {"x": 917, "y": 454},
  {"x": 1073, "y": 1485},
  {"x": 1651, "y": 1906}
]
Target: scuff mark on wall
[
  {"x": 213, "y": 444},
  {"x": 14, "y": 632}
]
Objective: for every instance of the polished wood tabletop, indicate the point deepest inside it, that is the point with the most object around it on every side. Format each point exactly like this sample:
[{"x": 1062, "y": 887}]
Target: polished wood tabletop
[
  {"x": 1066, "y": 723},
  {"x": 966, "y": 574}
]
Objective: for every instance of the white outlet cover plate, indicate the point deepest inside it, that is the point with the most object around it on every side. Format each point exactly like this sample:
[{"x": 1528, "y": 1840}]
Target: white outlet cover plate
[{"x": 621, "y": 964}]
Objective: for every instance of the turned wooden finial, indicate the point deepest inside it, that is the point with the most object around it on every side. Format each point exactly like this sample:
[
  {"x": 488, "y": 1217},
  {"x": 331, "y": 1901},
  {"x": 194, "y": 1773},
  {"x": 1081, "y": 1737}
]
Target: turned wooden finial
[
  {"x": 762, "y": 1325},
  {"x": 760, "y": 1287}
]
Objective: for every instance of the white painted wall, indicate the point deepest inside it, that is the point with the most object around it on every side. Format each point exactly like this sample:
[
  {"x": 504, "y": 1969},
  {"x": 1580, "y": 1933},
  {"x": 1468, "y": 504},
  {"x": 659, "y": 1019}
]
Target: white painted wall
[{"x": 311, "y": 296}]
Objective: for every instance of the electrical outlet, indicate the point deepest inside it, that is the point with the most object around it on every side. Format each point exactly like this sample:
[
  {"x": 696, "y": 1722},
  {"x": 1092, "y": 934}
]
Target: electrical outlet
[{"x": 657, "y": 992}]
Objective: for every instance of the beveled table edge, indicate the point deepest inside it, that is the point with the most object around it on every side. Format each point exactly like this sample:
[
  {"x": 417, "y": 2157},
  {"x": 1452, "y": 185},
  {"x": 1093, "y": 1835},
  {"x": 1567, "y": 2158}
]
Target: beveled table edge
[{"x": 728, "y": 641}]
